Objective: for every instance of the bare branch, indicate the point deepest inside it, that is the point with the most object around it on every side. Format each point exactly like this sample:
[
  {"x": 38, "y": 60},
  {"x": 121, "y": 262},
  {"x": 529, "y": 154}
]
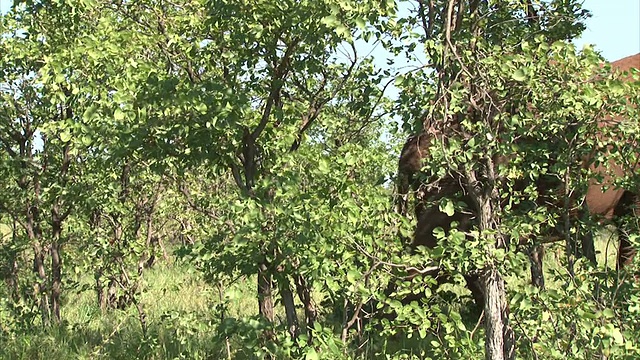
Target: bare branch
[
  {"x": 279, "y": 76},
  {"x": 316, "y": 105},
  {"x": 235, "y": 170}
]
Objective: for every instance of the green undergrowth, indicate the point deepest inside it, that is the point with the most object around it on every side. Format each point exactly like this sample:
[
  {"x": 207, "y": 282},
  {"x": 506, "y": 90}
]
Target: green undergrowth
[
  {"x": 189, "y": 318},
  {"x": 181, "y": 315}
]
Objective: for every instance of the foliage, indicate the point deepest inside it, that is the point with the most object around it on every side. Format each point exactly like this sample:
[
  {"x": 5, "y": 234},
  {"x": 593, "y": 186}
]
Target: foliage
[
  {"x": 255, "y": 140},
  {"x": 517, "y": 118}
]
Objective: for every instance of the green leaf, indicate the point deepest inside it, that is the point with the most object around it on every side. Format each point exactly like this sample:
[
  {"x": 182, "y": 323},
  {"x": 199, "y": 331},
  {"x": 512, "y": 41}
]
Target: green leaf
[
  {"x": 353, "y": 276},
  {"x": 312, "y": 354},
  {"x": 86, "y": 140},
  {"x": 390, "y": 4},
  {"x": 65, "y": 136},
  {"x": 617, "y": 335},
  {"x": 323, "y": 166},
  {"x": 201, "y": 108},
  {"x": 366, "y": 36},
  {"x": 447, "y": 207},
  {"x": 118, "y": 115},
  {"x": 330, "y": 21},
  {"x": 349, "y": 159},
  {"x": 457, "y": 236},
  {"x": 519, "y": 75},
  {"x": 343, "y": 31},
  {"x": 89, "y": 112},
  {"x": 608, "y": 313}
]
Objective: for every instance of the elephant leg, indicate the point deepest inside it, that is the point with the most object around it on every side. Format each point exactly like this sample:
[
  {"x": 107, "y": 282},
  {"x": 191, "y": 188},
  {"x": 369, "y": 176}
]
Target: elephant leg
[
  {"x": 587, "y": 239},
  {"x": 420, "y": 200},
  {"x": 588, "y": 247},
  {"x": 475, "y": 286},
  {"x": 536, "y": 254},
  {"x": 627, "y": 206},
  {"x": 626, "y": 252}
]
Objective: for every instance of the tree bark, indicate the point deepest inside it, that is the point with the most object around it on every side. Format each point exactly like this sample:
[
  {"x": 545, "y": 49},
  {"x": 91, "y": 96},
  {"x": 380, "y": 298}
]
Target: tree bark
[
  {"x": 56, "y": 281},
  {"x": 41, "y": 286},
  {"x": 34, "y": 233},
  {"x": 102, "y": 301},
  {"x": 304, "y": 293},
  {"x": 499, "y": 338},
  {"x": 56, "y": 261},
  {"x": 589, "y": 248},
  {"x": 265, "y": 296},
  {"x": 12, "y": 267},
  {"x": 289, "y": 307}
]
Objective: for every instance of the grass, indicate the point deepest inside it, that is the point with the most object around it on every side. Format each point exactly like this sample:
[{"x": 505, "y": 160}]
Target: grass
[
  {"x": 178, "y": 306},
  {"x": 182, "y": 315}
]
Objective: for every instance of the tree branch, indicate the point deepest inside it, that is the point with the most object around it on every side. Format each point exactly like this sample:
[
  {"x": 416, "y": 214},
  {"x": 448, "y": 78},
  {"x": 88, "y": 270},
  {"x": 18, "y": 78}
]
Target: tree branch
[
  {"x": 316, "y": 106},
  {"x": 279, "y": 77}
]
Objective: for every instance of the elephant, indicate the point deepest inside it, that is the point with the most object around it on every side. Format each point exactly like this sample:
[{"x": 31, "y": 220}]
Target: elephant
[
  {"x": 429, "y": 216},
  {"x": 602, "y": 201}
]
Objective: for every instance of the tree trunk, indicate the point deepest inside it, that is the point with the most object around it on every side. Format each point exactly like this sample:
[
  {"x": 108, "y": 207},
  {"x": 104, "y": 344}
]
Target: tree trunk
[
  {"x": 499, "y": 338},
  {"x": 34, "y": 233},
  {"x": 289, "y": 307},
  {"x": 12, "y": 267},
  {"x": 56, "y": 281},
  {"x": 150, "y": 242},
  {"x": 112, "y": 293},
  {"x": 304, "y": 293},
  {"x": 12, "y": 278},
  {"x": 102, "y": 301},
  {"x": 41, "y": 287},
  {"x": 142, "y": 315},
  {"x": 265, "y": 297},
  {"x": 589, "y": 248},
  {"x": 56, "y": 262},
  {"x": 95, "y": 223}
]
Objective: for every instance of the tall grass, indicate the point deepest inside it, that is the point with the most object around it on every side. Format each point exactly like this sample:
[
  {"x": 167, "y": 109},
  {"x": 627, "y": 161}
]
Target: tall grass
[{"x": 179, "y": 307}]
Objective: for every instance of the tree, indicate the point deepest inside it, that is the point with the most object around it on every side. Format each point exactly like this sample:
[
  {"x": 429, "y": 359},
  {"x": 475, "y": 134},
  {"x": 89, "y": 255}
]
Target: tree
[
  {"x": 504, "y": 93},
  {"x": 38, "y": 117}
]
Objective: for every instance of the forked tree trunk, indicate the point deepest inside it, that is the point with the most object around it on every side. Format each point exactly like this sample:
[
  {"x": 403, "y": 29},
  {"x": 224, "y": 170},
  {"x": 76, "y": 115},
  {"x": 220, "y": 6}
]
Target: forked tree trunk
[
  {"x": 58, "y": 215},
  {"x": 304, "y": 293}
]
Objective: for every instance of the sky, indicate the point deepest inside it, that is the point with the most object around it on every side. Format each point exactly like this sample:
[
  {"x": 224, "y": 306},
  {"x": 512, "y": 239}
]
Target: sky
[{"x": 614, "y": 27}]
